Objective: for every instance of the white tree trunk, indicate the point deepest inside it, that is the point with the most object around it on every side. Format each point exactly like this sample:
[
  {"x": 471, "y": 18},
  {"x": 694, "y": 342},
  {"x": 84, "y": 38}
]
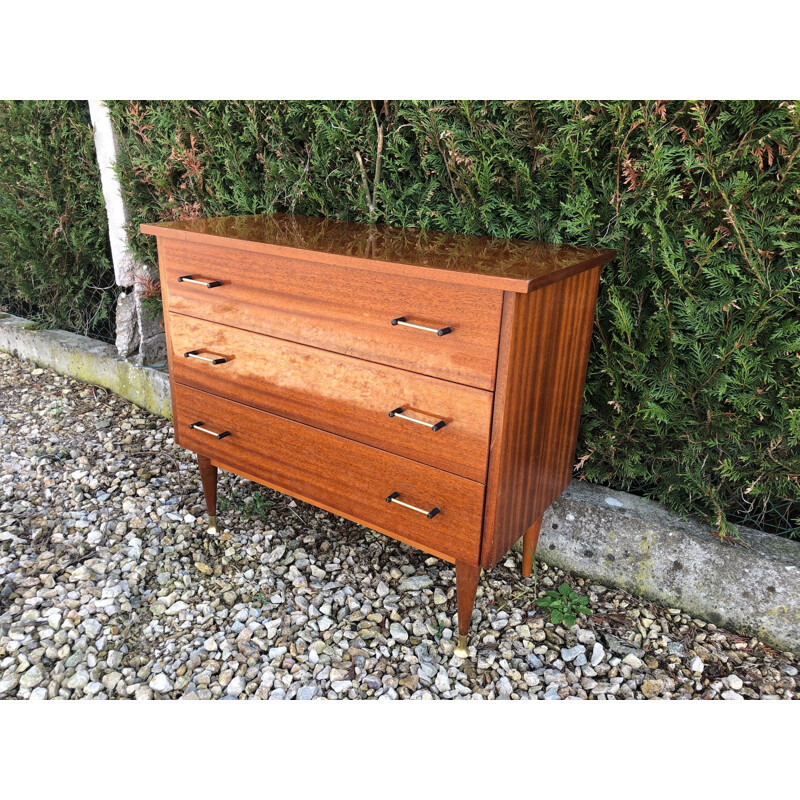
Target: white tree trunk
[{"x": 137, "y": 333}]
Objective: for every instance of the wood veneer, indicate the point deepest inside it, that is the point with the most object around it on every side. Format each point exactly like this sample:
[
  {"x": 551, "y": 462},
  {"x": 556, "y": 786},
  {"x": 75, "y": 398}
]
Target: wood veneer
[
  {"x": 340, "y": 309},
  {"x": 541, "y": 372},
  {"x": 506, "y": 264},
  {"x": 344, "y": 476},
  {"x": 301, "y": 310},
  {"x": 337, "y": 393}
]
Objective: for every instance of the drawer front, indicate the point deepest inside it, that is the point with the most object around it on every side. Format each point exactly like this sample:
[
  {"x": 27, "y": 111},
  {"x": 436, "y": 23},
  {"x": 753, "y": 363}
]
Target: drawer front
[
  {"x": 338, "y": 393},
  {"x": 346, "y": 310},
  {"x": 343, "y": 476}
]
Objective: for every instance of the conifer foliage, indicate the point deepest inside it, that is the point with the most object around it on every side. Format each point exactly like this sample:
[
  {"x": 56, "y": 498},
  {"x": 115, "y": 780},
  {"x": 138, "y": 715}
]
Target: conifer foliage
[
  {"x": 693, "y": 392},
  {"x": 55, "y": 264}
]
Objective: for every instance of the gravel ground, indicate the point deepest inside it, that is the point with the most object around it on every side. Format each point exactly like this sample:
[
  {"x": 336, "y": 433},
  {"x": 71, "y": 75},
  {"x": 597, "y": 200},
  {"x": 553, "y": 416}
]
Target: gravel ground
[{"x": 110, "y": 587}]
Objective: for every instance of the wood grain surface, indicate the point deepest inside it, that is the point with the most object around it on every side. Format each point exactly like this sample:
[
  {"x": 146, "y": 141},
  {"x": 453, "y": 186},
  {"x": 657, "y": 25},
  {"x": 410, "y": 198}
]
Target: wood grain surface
[
  {"x": 544, "y": 350},
  {"x": 344, "y": 310},
  {"x": 504, "y": 264},
  {"x": 346, "y": 477},
  {"x": 337, "y": 393}
]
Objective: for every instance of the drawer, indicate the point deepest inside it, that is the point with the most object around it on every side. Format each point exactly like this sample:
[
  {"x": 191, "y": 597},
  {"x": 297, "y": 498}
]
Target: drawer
[
  {"x": 342, "y": 476},
  {"x": 340, "y": 394},
  {"x": 342, "y": 309}
]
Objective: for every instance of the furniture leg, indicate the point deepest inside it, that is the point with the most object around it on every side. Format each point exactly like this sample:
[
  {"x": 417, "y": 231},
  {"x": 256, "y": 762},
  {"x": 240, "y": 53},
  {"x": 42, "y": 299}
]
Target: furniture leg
[
  {"x": 467, "y": 576},
  {"x": 208, "y": 476},
  {"x": 529, "y": 541}
]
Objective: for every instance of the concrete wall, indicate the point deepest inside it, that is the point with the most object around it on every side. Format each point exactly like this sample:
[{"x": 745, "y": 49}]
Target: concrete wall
[
  {"x": 87, "y": 360},
  {"x": 750, "y": 585}
]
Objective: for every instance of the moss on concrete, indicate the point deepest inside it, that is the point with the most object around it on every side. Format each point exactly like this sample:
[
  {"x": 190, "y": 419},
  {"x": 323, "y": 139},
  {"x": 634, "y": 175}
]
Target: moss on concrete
[{"x": 87, "y": 360}]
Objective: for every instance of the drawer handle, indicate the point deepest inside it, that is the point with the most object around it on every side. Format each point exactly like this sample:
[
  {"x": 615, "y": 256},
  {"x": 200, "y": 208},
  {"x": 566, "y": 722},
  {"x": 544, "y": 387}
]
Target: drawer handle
[
  {"x": 198, "y": 426},
  {"x": 194, "y": 354},
  {"x": 392, "y": 498},
  {"x": 207, "y": 284},
  {"x": 437, "y": 331},
  {"x": 434, "y": 426}
]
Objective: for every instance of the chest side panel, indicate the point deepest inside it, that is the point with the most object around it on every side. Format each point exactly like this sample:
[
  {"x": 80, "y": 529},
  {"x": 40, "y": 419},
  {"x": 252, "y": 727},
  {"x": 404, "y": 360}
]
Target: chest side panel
[{"x": 544, "y": 352}]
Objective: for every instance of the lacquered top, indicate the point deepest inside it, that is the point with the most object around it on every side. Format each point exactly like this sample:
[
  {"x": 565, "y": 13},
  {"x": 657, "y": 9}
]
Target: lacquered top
[{"x": 508, "y": 264}]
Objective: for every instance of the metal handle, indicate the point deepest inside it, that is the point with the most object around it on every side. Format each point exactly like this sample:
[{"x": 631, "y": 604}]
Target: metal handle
[
  {"x": 194, "y": 354},
  {"x": 434, "y": 426},
  {"x": 198, "y": 427},
  {"x": 392, "y": 498},
  {"x": 207, "y": 284},
  {"x": 437, "y": 331}
]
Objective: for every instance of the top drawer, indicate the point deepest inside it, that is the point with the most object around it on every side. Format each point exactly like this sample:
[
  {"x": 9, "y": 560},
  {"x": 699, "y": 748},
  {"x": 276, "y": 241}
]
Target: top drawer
[{"x": 336, "y": 308}]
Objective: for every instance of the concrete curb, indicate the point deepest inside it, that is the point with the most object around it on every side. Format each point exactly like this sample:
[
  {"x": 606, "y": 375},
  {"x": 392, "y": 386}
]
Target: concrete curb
[
  {"x": 612, "y": 538},
  {"x": 87, "y": 360},
  {"x": 616, "y": 539}
]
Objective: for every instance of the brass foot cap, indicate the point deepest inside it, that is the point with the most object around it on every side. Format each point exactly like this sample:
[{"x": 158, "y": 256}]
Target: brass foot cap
[
  {"x": 212, "y": 526},
  {"x": 461, "y": 649}
]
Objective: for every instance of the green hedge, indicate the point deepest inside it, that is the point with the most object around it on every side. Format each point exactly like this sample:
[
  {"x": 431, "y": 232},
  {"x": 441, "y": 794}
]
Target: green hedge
[
  {"x": 55, "y": 262},
  {"x": 693, "y": 395}
]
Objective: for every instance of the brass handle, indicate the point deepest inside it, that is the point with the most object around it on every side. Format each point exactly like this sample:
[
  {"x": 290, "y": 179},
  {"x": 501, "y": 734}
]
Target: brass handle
[
  {"x": 207, "y": 284},
  {"x": 197, "y": 426},
  {"x": 392, "y": 498},
  {"x": 437, "y": 331},
  {"x": 434, "y": 426},
  {"x": 194, "y": 354}
]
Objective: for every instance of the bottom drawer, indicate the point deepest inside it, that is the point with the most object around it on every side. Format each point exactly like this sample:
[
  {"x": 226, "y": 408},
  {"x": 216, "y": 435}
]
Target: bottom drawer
[{"x": 348, "y": 478}]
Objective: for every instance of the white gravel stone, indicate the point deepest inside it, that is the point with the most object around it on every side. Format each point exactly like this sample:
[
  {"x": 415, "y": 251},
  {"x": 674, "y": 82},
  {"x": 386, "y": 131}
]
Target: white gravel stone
[
  {"x": 586, "y": 637},
  {"x": 8, "y": 683},
  {"x": 633, "y": 661},
  {"x": 731, "y": 695},
  {"x": 442, "y": 682},
  {"x": 398, "y": 632},
  {"x": 306, "y": 693},
  {"x": 107, "y": 591},
  {"x": 161, "y": 683},
  {"x": 78, "y": 681},
  {"x": 571, "y": 653},
  {"x": 33, "y": 677},
  {"x": 504, "y": 687},
  {"x": 735, "y": 682},
  {"x": 416, "y": 583}
]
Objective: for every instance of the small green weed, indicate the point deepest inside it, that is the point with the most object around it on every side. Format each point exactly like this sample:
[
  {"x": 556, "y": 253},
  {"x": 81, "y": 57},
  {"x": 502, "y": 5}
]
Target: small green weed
[
  {"x": 259, "y": 598},
  {"x": 256, "y": 506},
  {"x": 565, "y": 605}
]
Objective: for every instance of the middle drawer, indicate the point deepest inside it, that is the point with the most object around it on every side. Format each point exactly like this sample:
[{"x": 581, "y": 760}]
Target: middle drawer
[{"x": 337, "y": 393}]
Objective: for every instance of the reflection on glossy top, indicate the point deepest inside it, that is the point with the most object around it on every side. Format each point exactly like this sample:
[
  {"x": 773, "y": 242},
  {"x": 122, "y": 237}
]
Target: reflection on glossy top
[{"x": 512, "y": 264}]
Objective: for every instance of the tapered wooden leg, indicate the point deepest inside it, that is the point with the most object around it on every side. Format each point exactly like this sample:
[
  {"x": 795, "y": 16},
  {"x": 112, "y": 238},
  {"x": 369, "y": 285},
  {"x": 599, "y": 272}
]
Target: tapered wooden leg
[
  {"x": 467, "y": 576},
  {"x": 208, "y": 476},
  {"x": 529, "y": 541}
]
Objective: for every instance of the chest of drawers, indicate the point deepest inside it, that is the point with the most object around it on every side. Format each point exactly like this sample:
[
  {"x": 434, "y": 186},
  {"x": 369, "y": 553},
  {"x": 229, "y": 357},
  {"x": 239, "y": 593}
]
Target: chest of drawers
[{"x": 426, "y": 385}]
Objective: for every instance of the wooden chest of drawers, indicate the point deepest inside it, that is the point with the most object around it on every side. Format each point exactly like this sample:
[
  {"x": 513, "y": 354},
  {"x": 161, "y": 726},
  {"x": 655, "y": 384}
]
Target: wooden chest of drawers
[{"x": 426, "y": 385}]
